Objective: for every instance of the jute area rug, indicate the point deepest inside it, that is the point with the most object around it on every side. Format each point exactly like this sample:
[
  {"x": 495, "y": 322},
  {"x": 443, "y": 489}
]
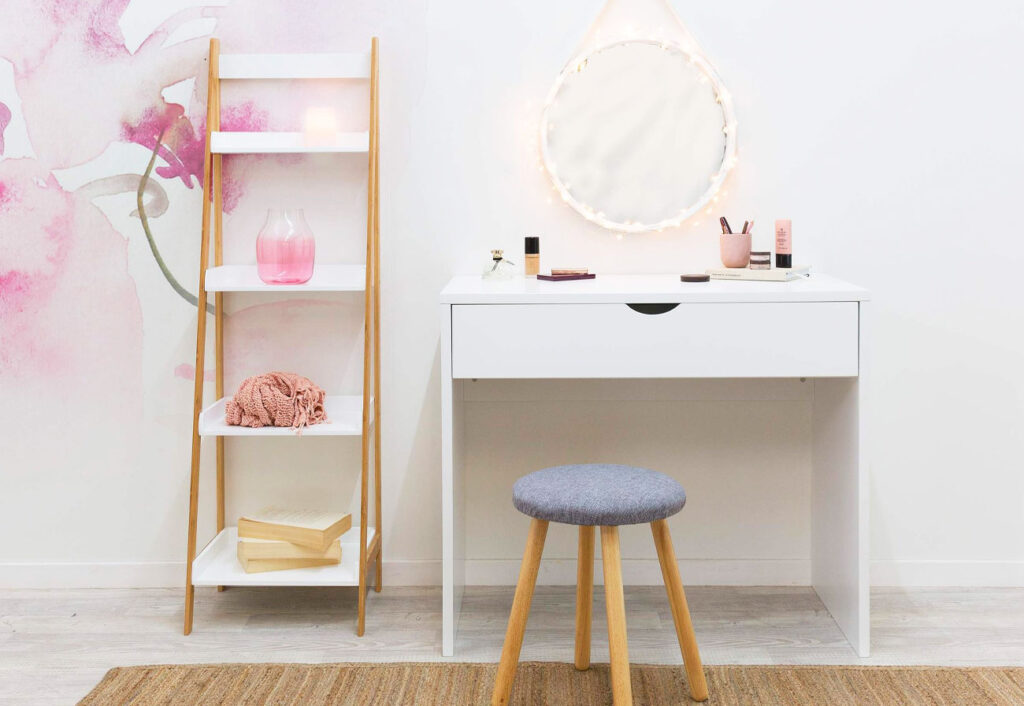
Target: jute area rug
[{"x": 551, "y": 683}]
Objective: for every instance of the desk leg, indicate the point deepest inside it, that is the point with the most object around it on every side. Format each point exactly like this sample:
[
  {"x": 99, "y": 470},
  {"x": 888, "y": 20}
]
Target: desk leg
[
  {"x": 840, "y": 511},
  {"x": 453, "y": 572}
]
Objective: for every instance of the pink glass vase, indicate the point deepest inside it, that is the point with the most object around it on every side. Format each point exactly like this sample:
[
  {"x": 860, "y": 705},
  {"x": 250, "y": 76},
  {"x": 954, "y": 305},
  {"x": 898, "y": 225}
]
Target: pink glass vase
[{"x": 285, "y": 248}]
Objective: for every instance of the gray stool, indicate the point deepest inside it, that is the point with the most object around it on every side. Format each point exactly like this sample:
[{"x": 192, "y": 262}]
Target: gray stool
[{"x": 606, "y": 495}]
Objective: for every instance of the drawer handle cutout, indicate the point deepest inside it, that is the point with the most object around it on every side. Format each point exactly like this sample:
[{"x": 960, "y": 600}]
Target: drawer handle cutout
[{"x": 652, "y": 308}]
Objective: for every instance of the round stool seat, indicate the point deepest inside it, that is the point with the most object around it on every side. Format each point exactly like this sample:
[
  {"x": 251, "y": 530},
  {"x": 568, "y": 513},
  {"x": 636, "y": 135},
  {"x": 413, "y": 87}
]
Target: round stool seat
[{"x": 598, "y": 494}]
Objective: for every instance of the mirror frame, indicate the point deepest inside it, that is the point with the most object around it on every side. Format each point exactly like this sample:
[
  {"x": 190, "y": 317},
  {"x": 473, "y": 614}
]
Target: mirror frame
[{"x": 723, "y": 98}]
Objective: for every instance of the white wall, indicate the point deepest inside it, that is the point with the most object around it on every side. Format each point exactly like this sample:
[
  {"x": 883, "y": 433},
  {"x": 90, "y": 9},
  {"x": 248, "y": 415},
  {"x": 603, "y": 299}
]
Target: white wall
[{"x": 888, "y": 132}]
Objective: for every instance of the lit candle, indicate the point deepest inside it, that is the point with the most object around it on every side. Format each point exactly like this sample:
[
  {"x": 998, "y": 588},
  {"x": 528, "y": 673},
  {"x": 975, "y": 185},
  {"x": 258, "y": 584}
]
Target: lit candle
[{"x": 321, "y": 126}]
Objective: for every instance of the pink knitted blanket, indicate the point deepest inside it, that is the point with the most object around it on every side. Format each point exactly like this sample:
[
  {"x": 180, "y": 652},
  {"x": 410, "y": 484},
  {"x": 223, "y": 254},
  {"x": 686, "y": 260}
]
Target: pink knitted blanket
[{"x": 276, "y": 399}]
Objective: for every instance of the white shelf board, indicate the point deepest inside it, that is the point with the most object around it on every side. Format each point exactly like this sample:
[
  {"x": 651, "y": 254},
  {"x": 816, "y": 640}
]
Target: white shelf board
[
  {"x": 345, "y": 413},
  {"x": 326, "y": 278},
  {"x": 218, "y": 565},
  {"x": 295, "y": 66},
  {"x": 286, "y": 142}
]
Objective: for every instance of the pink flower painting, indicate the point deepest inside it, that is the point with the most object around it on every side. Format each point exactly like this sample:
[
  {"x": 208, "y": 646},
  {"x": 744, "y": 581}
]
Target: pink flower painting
[{"x": 102, "y": 139}]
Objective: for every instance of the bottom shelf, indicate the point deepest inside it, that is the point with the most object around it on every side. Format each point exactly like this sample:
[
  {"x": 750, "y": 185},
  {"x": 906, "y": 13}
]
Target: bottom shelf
[{"x": 218, "y": 565}]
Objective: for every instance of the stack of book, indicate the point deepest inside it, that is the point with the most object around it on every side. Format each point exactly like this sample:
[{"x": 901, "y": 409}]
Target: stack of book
[
  {"x": 775, "y": 274},
  {"x": 275, "y": 539}
]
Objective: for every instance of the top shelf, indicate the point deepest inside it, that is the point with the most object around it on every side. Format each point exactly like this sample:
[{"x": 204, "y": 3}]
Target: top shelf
[
  {"x": 295, "y": 66},
  {"x": 286, "y": 142}
]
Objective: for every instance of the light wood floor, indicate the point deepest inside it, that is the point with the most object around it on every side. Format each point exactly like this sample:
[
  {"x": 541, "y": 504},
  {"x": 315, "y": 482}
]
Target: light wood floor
[{"x": 55, "y": 645}]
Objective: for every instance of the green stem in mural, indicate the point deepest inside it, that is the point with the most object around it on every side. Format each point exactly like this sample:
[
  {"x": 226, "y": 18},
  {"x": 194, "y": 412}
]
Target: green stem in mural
[{"x": 175, "y": 285}]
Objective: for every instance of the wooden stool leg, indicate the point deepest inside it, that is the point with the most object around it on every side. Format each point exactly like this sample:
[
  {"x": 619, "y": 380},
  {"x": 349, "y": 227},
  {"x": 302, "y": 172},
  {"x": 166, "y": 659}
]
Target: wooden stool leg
[
  {"x": 584, "y": 596},
  {"x": 622, "y": 691},
  {"x": 520, "y": 612},
  {"x": 680, "y": 611}
]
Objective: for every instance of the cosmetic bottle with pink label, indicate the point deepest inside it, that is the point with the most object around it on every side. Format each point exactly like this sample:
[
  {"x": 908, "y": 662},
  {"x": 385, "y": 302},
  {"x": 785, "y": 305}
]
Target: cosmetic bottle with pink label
[{"x": 783, "y": 243}]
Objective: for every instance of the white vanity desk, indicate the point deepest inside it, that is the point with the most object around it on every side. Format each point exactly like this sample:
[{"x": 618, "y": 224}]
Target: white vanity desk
[{"x": 813, "y": 328}]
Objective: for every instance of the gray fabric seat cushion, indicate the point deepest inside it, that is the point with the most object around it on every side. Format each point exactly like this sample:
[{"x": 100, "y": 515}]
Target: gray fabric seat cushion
[{"x": 598, "y": 494}]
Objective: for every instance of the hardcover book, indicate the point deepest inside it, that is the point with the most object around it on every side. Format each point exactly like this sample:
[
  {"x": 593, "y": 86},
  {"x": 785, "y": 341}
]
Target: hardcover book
[
  {"x": 316, "y": 530},
  {"x": 257, "y": 566},
  {"x": 274, "y": 549}
]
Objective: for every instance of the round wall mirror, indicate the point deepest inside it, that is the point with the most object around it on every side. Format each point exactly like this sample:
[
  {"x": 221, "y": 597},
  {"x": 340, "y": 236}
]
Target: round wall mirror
[{"x": 638, "y": 135}]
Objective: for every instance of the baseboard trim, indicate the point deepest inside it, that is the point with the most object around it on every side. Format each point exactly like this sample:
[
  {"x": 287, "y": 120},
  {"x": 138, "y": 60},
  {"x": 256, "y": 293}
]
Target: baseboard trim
[
  {"x": 937, "y": 572},
  {"x": 168, "y": 574},
  {"x": 479, "y": 572},
  {"x": 504, "y": 572},
  {"x": 156, "y": 574}
]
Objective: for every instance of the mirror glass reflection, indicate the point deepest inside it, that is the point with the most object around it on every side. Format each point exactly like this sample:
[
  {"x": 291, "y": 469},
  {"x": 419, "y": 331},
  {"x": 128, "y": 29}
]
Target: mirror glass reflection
[{"x": 634, "y": 135}]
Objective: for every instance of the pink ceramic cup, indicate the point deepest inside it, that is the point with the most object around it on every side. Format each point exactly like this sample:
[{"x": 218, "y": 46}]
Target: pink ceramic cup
[{"x": 735, "y": 249}]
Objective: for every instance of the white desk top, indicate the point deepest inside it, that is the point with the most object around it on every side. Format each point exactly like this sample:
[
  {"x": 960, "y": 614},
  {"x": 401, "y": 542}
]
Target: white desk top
[{"x": 646, "y": 289}]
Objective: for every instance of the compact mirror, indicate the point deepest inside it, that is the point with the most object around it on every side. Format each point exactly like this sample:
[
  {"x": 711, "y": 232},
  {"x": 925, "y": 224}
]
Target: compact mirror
[{"x": 638, "y": 135}]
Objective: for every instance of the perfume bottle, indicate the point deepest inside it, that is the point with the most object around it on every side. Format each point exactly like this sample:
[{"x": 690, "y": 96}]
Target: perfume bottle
[{"x": 500, "y": 268}]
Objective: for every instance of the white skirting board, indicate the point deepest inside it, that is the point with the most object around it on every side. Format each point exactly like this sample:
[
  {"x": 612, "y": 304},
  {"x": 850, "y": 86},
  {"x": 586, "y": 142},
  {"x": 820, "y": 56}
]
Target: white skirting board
[
  {"x": 720, "y": 572},
  {"x": 929, "y": 572}
]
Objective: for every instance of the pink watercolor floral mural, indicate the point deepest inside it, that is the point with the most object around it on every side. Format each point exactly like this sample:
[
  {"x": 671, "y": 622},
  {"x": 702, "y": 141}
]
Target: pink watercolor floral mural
[
  {"x": 75, "y": 77},
  {"x": 165, "y": 129},
  {"x": 120, "y": 99},
  {"x": 102, "y": 124},
  {"x": 78, "y": 87},
  {"x": 55, "y": 321},
  {"x": 92, "y": 266},
  {"x": 5, "y": 120}
]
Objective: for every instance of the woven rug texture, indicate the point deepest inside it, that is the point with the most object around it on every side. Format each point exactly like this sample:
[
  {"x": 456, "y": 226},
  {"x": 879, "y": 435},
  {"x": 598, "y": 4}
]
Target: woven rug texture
[{"x": 452, "y": 683}]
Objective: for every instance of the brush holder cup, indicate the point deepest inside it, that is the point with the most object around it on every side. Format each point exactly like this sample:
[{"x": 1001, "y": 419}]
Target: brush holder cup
[{"x": 735, "y": 249}]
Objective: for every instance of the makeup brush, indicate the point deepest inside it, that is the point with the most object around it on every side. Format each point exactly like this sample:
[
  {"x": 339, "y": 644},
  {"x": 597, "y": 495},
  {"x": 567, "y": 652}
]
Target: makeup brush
[{"x": 725, "y": 225}]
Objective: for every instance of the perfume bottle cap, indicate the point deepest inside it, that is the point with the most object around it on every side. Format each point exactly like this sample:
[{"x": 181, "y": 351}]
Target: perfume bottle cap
[
  {"x": 532, "y": 245},
  {"x": 497, "y": 254}
]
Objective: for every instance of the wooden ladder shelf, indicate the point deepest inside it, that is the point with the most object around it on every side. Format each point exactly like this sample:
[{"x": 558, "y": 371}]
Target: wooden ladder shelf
[{"x": 216, "y": 565}]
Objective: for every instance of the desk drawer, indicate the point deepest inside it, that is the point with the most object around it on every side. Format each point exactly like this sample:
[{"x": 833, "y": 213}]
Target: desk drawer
[{"x": 818, "y": 339}]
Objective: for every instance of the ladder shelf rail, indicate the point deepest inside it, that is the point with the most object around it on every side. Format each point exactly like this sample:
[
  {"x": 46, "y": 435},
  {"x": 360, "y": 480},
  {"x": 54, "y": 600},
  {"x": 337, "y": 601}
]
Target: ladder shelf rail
[{"x": 350, "y": 414}]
